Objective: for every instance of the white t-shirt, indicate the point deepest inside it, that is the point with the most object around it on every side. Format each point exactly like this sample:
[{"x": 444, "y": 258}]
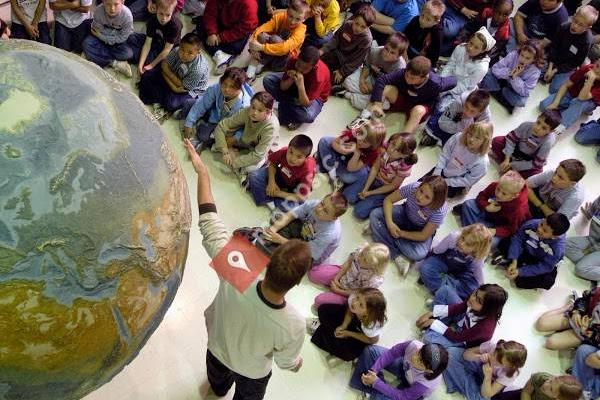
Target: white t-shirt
[
  {"x": 28, "y": 7},
  {"x": 70, "y": 18}
]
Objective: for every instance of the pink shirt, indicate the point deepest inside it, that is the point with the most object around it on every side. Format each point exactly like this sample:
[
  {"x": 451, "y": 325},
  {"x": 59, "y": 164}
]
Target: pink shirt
[
  {"x": 499, "y": 372},
  {"x": 389, "y": 169}
]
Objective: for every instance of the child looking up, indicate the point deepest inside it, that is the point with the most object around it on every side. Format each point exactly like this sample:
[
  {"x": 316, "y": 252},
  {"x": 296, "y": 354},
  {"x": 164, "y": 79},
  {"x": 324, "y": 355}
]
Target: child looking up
[
  {"x": 513, "y": 77},
  {"x": 456, "y": 323},
  {"x": 526, "y": 148},
  {"x": 464, "y": 159},
  {"x": 425, "y": 32},
  {"x": 457, "y": 261},
  {"x": 558, "y": 190},
  {"x": 537, "y": 20},
  {"x": 417, "y": 366},
  {"x": 344, "y": 330},
  {"x": 107, "y": 42},
  {"x": 220, "y": 101},
  {"x": 386, "y": 175},
  {"x": 483, "y": 372},
  {"x": 287, "y": 180},
  {"x": 408, "y": 229},
  {"x": 183, "y": 77},
  {"x": 460, "y": 113},
  {"x": 28, "y": 20},
  {"x": 348, "y": 48},
  {"x": 72, "y": 21},
  {"x": 363, "y": 269},
  {"x": 502, "y": 206},
  {"x": 246, "y": 137},
  {"x": 322, "y": 21},
  {"x": 380, "y": 60}
]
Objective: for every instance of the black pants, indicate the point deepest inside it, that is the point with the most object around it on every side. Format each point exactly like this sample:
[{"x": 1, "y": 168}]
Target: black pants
[{"x": 222, "y": 378}]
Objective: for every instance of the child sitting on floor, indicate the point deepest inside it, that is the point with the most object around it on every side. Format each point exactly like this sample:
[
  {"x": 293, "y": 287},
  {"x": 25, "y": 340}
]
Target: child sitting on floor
[
  {"x": 457, "y": 261},
  {"x": 344, "y": 330},
  {"x": 316, "y": 222},
  {"x": 557, "y": 191},
  {"x": 526, "y": 148},
  {"x": 183, "y": 77},
  {"x": 502, "y": 206},
  {"x": 584, "y": 251},
  {"x": 220, "y": 101},
  {"x": 535, "y": 251},
  {"x": 460, "y": 113},
  {"x": 381, "y": 60},
  {"x": 348, "y": 48},
  {"x": 513, "y": 77},
  {"x": 322, "y": 21},
  {"x": 538, "y": 20},
  {"x": 363, "y": 269},
  {"x": 246, "y": 137},
  {"x": 425, "y": 31},
  {"x": 464, "y": 159},
  {"x": 386, "y": 175},
  {"x": 287, "y": 181}
]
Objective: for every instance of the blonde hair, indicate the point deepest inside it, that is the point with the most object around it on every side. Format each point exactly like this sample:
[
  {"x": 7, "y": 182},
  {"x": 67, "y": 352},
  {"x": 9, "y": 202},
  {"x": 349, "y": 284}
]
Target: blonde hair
[
  {"x": 482, "y": 129},
  {"x": 373, "y": 132},
  {"x": 482, "y": 239},
  {"x": 513, "y": 181},
  {"x": 377, "y": 256},
  {"x": 589, "y": 12},
  {"x": 514, "y": 353}
]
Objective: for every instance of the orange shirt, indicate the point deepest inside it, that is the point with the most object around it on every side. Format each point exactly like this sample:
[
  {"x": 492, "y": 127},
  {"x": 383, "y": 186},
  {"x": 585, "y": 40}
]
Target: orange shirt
[{"x": 279, "y": 25}]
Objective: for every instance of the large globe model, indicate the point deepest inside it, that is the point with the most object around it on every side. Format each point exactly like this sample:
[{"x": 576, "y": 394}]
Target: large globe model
[{"x": 94, "y": 224}]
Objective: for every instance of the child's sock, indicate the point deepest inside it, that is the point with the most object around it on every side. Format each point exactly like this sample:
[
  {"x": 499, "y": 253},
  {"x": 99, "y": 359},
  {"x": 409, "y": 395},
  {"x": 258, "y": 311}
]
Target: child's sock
[{"x": 271, "y": 205}]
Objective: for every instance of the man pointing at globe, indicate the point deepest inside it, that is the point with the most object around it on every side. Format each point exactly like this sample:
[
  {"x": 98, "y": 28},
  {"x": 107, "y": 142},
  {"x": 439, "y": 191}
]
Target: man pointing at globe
[{"x": 247, "y": 331}]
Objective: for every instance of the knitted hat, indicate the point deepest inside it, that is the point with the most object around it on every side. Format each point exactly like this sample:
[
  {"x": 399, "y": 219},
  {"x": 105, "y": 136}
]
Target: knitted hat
[{"x": 489, "y": 39}]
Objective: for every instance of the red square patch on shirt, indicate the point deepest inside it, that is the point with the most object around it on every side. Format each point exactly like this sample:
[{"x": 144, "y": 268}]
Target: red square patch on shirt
[{"x": 239, "y": 263}]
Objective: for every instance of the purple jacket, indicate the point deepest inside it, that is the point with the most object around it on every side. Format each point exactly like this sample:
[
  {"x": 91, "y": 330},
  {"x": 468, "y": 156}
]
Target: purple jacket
[{"x": 522, "y": 84}]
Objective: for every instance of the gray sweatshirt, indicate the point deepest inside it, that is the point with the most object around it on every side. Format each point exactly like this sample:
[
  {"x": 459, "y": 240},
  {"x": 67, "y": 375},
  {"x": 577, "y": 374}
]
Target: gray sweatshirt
[
  {"x": 112, "y": 30},
  {"x": 458, "y": 165}
]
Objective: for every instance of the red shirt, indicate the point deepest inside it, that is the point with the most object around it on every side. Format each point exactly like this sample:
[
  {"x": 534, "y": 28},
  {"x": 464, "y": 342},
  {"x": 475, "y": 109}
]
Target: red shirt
[
  {"x": 512, "y": 213},
  {"x": 317, "y": 82},
  {"x": 367, "y": 156},
  {"x": 578, "y": 79},
  {"x": 231, "y": 20},
  {"x": 288, "y": 178}
]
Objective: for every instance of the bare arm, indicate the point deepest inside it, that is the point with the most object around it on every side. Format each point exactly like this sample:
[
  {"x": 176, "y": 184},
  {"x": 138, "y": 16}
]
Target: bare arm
[
  {"x": 421, "y": 235},
  {"x": 593, "y": 361},
  {"x": 172, "y": 80},
  {"x": 162, "y": 55},
  {"x": 372, "y": 174},
  {"x": 381, "y": 19},
  {"x": 18, "y": 10},
  {"x": 38, "y": 12},
  {"x": 383, "y": 28}
]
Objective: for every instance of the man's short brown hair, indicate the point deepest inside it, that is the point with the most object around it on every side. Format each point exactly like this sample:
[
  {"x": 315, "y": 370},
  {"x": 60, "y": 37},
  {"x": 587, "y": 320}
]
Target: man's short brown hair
[{"x": 289, "y": 263}]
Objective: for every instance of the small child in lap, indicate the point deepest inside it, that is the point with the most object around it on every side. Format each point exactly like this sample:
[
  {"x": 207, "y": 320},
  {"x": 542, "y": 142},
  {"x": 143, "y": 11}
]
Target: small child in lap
[
  {"x": 482, "y": 372},
  {"x": 456, "y": 323},
  {"x": 28, "y": 20},
  {"x": 380, "y": 60},
  {"x": 425, "y": 31},
  {"x": 347, "y": 158},
  {"x": 558, "y": 190},
  {"x": 245, "y": 138},
  {"x": 502, "y": 206},
  {"x": 526, "y": 148},
  {"x": 316, "y": 222},
  {"x": 72, "y": 21},
  {"x": 363, "y": 269},
  {"x": 344, "y": 330},
  {"x": 107, "y": 42},
  {"x": 464, "y": 159},
  {"x": 386, "y": 175},
  {"x": 220, "y": 101},
  {"x": 457, "y": 261},
  {"x": 408, "y": 229},
  {"x": 460, "y": 113},
  {"x": 287, "y": 179}
]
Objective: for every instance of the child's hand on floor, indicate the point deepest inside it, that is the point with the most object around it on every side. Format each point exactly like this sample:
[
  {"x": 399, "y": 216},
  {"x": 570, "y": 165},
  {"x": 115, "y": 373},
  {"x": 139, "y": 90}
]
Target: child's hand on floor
[{"x": 368, "y": 378}]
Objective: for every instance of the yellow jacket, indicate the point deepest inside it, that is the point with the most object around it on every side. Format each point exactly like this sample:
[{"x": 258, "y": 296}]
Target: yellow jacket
[
  {"x": 277, "y": 25},
  {"x": 330, "y": 19}
]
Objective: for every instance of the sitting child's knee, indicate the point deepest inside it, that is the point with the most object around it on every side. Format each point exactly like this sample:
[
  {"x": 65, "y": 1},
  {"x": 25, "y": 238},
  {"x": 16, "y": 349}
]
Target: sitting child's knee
[{"x": 418, "y": 110}]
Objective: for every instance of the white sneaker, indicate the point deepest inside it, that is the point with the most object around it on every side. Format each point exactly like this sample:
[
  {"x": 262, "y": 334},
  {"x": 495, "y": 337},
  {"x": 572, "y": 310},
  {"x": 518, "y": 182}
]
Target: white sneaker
[
  {"x": 271, "y": 206},
  {"x": 251, "y": 72},
  {"x": 403, "y": 265},
  {"x": 222, "y": 61},
  {"x": 122, "y": 67},
  {"x": 312, "y": 324}
]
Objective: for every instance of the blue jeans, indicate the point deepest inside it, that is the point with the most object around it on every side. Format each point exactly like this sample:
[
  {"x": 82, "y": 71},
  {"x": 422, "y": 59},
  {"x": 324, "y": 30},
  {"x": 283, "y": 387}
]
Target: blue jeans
[
  {"x": 586, "y": 375},
  {"x": 366, "y": 360},
  {"x": 410, "y": 249},
  {"x": 362, "y": 208},
  {"x": 257, "y": 185},
  {"x": 445, "y": 295},
  {"x": 570, "y": 108},
  {"x": 589, "y": 134},
  {"x": 558, "y": 80},
  {"x": 103, "y": 54},
  {"x": 434, "y": 274},
  {"x": 289, "y": 111},
  {"x": 462, "y": 376},
  {"x": 18, "y": 31},
  {"x": 493, "y": 84},
  {"x": 452, "y": 21},
  {"x": 71, "y": 39},
  {"x": 331, "y": 159},
  {"x": 433, "y": 128}
]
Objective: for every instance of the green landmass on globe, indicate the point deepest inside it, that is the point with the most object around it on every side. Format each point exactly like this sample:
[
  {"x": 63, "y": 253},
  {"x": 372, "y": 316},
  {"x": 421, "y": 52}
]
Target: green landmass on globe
[{"x": 94, "y": 224}]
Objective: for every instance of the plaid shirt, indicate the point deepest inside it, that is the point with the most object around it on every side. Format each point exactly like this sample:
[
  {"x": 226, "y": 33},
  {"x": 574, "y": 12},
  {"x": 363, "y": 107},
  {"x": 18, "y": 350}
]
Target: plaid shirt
[{"x": 193, "y": 75}]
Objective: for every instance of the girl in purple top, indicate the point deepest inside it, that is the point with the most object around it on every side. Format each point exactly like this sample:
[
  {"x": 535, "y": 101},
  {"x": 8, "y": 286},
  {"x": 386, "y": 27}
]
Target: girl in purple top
[
  {"x": 513, "y": 77},
  {"x": 408, "y": 229},
  {"x": 416, "y": 365}
]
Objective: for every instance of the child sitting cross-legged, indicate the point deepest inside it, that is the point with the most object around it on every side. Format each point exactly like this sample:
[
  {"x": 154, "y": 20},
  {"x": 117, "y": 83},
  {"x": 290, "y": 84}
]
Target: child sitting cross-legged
[
  {"x": 245, "y": 138},
  {"x": 316, "y": 222},
  {"x": 584, "y": 251},
  {"x": 287, "y": 179},
  {"x": 502, "y": 206},
  {"x": 425, "y": 31},
  {"x": 460, "y": 113},
  {"x": 388, "y": 172},
  {"x": 322, "y": 21},
  {"x": 457, "y": 261},
  {"x": 363, "y": 269},
  {"x": 535, "y": 251},
  {"x": 526, "y": 148}
]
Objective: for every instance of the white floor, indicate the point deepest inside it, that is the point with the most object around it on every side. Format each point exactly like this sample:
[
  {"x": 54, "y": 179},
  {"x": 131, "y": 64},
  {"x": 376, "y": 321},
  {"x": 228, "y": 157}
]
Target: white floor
[{"x": 171, "y": 365}]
